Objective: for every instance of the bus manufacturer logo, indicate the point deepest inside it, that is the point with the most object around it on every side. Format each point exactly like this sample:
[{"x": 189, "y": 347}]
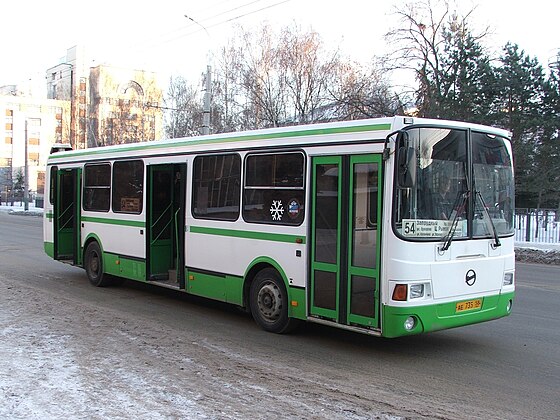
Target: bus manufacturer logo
[{"x": 470, "y": 277}]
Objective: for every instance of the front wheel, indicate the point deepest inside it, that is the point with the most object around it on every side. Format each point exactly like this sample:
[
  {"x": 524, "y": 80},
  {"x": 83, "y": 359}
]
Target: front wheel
[
  {"x": 93, "y": 263},
  {"x": 268, "y": 300}
]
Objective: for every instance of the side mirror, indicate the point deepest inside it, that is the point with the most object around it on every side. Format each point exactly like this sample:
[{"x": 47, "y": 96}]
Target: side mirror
[{"x": 406, "y": 162}]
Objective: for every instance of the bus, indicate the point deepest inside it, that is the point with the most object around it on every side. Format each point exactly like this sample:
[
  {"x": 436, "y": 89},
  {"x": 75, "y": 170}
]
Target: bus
[{"x": 344, "y": 224}]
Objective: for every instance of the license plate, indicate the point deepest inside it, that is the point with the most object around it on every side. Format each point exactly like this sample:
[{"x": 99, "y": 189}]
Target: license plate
[{"x": 468, "y": 305}]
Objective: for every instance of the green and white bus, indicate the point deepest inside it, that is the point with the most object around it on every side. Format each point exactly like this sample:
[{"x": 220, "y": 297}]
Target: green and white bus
[{"x": 345, "y": 224}]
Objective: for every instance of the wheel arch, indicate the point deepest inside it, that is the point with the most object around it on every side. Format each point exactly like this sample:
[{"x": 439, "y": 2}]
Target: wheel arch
[
  {"x": 254, "y": 268},
  {"x": 92, "y": 237}
]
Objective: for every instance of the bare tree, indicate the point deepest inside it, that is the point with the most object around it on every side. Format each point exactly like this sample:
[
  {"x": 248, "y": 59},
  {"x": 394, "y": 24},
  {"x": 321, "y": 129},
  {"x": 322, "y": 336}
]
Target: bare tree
[
  {"x": 263, "y": 80},
  {"x": 270, "y": 79},
  {"x": 363, "y": 92},
  {"x": 309, "y": 71},
  {"x": 229, "y": 102},
  {"x": 426, "y": 42},
  {"x": 184, "y": 109}
]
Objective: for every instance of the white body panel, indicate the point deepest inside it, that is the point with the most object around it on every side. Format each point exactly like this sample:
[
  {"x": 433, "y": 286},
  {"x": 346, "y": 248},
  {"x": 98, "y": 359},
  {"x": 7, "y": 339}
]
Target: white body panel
[
  {"x": 127, "y": 241},
  {"x": 233, "y": 255}
]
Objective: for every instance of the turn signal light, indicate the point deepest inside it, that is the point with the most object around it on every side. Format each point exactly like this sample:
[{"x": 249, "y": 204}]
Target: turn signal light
[{"x": 400, "y": 292}]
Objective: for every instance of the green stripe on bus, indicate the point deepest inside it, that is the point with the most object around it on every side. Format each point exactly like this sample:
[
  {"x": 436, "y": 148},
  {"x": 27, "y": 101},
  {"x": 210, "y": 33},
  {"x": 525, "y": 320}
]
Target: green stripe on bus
[
  {"x": 261, "y": 236},
  {"x": 248, "y": 137},
  {"x": 119, "y": 222}
]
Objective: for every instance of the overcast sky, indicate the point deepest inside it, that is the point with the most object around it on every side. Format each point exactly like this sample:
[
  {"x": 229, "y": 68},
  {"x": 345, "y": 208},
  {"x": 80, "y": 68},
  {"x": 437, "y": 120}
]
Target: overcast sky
[{"x": 35, "y": 34}]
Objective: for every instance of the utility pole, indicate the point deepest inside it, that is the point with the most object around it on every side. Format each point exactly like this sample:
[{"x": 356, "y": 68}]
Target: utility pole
[
  {"x": 206, "y": 105},
  {"x": 207, "y": 101}
]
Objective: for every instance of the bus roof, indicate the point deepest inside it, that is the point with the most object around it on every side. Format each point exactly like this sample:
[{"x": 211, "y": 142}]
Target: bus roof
[{"x": 292, "y": 136}]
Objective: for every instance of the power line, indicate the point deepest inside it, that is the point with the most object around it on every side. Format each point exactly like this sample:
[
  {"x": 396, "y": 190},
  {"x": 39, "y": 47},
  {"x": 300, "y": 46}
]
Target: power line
[{"x": 152, "y": 44}]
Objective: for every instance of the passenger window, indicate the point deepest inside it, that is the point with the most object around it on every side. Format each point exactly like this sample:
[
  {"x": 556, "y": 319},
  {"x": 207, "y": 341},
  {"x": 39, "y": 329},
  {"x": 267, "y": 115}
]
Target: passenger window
[
  {"x": 97, "y": 187},
  {"x": 128, "y": 186},
  {"x": 274, "y": 189},
  {"x": 216, "y": 187}
]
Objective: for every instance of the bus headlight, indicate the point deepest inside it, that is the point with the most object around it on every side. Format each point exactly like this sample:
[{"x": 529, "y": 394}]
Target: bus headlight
[
  {"x": 508, "y": 279},
  {"x": 416, "y": 291},
  {"x": 409, "y": 323}
]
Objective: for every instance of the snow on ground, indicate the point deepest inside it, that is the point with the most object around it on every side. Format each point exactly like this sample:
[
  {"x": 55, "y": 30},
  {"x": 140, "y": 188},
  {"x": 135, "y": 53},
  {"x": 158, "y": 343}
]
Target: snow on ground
[{"x": 19, "y": 209}]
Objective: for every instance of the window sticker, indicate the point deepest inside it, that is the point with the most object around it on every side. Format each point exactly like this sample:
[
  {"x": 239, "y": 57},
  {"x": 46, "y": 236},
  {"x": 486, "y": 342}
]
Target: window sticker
[
  {"x": 276, "y": 210},
  {"x": 294, "y": 208}
]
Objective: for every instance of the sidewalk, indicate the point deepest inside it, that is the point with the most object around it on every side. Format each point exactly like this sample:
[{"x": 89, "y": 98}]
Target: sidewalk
[{"x": 19, "y": 209}]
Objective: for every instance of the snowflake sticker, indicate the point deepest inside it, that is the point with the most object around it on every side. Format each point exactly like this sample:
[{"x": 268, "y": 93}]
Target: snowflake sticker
[{"x": 276, "y": 210}]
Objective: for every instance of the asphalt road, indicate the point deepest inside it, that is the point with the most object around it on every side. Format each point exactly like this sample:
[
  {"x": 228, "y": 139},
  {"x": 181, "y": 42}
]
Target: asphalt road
[{"x": 508, "y": 368}]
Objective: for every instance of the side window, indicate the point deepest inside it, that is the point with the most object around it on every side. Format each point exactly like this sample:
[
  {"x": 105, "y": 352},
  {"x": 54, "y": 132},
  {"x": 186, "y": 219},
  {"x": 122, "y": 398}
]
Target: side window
[
  {"x": 128, "y": 186},
  {"x": 216, "y": 187},
  {"x": 274, "y": 188},
  {"x": 52, "y": 184},
  {"x": 97, "y": 187}
]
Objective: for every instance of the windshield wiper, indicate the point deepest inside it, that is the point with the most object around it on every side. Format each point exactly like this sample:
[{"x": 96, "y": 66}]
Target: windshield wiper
[
  {"x": 489, "y": 223},
  {"x": 459, "y": 208}
]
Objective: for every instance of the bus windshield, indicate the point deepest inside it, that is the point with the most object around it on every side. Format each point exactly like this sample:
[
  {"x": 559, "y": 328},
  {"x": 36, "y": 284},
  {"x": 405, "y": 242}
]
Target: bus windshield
[{"x": 435, "y": 195}]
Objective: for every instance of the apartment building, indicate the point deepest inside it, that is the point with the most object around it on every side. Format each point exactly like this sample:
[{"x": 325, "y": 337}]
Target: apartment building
[{"x": 37, "y": 123}]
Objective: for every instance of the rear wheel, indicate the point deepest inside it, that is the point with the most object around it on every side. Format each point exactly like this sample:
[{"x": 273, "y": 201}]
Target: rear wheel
[
  {"x": 268, "y": 300},
  {"x": 93, "y": 263}
]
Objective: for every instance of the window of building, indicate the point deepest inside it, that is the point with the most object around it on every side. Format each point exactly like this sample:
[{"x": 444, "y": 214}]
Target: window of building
[
  {"x": 8, "y": 140},
  {"x": 216, "y": 187},
  {"x": 97, "y": 187},
  {"x": 274, "y": 188},
  {"x": 128, "y": 186}
]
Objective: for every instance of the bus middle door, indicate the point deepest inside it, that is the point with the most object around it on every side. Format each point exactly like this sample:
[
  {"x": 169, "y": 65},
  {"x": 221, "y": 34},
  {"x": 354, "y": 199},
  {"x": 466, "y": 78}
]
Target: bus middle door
[
  {"x": 344, "y": 239},
  {"x": 165, "y": 223}
]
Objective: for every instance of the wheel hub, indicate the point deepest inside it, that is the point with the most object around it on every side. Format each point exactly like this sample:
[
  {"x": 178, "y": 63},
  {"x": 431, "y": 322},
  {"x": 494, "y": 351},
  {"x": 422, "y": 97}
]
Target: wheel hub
[
  {"x": 270, "y": 301},
  {"x": 95, "y": 264}
]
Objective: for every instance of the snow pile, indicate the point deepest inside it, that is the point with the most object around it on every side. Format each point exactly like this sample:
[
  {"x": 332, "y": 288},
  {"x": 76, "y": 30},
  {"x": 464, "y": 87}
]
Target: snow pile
[{"x": 537, "y": 256}]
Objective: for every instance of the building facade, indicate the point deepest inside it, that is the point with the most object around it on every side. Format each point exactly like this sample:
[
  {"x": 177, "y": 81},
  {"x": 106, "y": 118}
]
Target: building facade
[
  {"x": 31, "y": 122},
  {"x": 68, "y": 81},
  {"x": 124, "y": 106},
  {"x": 108, "y": 105},
  {"x": 85, "y": 106}
]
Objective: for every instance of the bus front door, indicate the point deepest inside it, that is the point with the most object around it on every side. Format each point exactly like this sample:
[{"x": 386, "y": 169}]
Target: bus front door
[
  {"x": 165, "y": 224},
  {"x": 67, "y": 225},
  {"x": 345, "y": 249}
]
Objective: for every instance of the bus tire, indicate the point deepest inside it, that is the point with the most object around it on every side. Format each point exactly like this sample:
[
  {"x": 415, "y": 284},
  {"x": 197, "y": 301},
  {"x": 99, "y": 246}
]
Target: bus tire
[
  {"x": 268, "y": 301},
  {"x": 93, "y": 263}
]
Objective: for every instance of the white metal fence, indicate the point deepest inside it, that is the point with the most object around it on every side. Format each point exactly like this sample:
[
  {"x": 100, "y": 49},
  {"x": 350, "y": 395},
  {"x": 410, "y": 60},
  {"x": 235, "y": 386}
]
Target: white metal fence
[{"x": 542, "y": 226}]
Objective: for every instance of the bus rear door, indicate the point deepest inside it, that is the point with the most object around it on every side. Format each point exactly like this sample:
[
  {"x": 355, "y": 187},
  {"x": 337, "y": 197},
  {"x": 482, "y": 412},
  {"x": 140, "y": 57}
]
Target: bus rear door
[{"x": 67, "y": 224}]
